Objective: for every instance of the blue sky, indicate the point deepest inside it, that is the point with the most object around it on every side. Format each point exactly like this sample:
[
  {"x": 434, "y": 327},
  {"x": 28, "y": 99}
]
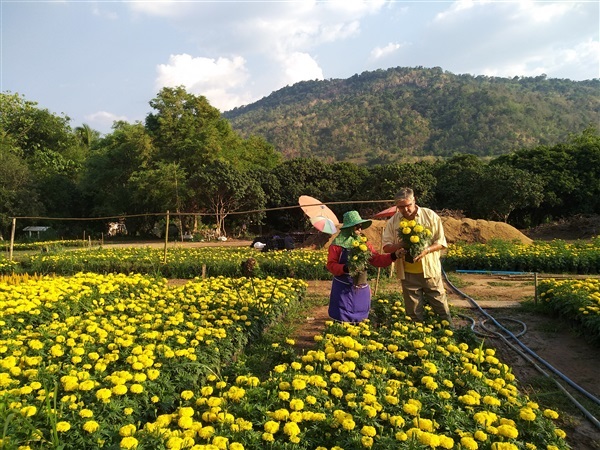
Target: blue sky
[{"x": 100, "y": 61}]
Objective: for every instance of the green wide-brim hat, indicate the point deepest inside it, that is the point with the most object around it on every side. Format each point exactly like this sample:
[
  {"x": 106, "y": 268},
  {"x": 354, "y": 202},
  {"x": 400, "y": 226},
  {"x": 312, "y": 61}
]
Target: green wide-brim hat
[{"x": 352, "y": 218}]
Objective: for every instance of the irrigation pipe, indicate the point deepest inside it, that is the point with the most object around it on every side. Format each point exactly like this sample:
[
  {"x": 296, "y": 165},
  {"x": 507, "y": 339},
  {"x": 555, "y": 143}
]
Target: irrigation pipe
[{"x": 528, "y": 352}]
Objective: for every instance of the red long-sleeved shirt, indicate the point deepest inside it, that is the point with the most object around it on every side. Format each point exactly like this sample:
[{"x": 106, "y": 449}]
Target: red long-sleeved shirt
[{"x": 337, "y": 269}]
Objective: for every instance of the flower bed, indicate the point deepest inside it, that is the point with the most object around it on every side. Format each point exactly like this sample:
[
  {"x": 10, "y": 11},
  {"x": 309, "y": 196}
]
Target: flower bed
[
  {"x": 84, "y": 356},
  {"x": 549, "y": 257},
  {"x": 125, "y": 361},
  {"x": 181, "y": 262},
  {"x": 574, "y": 300}
]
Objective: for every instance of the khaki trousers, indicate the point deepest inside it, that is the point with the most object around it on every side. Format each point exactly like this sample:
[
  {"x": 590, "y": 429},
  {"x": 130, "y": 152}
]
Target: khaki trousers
[{"x": 418, "y": 290}]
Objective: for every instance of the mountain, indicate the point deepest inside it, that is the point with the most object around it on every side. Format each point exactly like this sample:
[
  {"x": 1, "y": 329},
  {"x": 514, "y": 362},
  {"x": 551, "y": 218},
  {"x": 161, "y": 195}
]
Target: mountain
[{"x": 390, "y": 115}]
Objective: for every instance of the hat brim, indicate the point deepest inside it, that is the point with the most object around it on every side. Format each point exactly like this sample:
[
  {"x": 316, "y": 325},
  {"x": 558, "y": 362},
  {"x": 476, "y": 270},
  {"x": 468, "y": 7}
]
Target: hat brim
[{"x": 365, "y": 224}]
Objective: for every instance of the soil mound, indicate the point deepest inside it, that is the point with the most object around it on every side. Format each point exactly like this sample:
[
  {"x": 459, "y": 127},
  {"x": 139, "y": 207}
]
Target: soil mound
[
  {"x": 577, "y": 227},
  {"x": 457, "y": 230}
]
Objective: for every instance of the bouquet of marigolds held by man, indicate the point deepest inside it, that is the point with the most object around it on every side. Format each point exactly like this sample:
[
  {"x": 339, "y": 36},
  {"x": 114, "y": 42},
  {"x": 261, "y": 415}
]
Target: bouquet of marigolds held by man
[
  {"x": 415, "y": 238},
  {"x": 358, "y": 260}
]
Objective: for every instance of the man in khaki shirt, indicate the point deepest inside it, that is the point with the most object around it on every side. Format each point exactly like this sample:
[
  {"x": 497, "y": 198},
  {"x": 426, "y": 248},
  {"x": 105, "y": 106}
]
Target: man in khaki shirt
[{"x": 421, "y": 280}]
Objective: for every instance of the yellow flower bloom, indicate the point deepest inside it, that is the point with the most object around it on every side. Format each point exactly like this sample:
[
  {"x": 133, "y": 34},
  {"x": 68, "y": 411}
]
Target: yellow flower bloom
[
  {"x": 91, "y": 426},
  {"x": 63, "y": 426}
]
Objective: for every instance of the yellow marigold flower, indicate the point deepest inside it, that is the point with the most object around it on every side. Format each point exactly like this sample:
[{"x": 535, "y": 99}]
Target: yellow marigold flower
[
  {"x": 480, "y": 436},
  {"x": 284, "y": 395},
  {"x": 186, "y": 395},
  {"x": 296, "y": 404},
  {"x": 366, "y": 441},
  {"x": 401, "y": 436},
  {"x": 504, "y": 446},
  {"x": 185, "y": 422},
  {"x": 236, "y": 446},
  {"x": 28, "y": 411},
  {"x": 508, "y": 431},
  {"x": 103, "y": 394},
  {"x": 560, "y": 433},
  {"x": 129, "y": 443},
  {"x": 551, "y": 414},
  {"x": 291, "y": 429},
  {"x": 527, "y": 414},
  {"x": 411, "y": 409},
  {"x": 469, "y": 443},
  {"x": 63, "y": 426},
  {"x": 298, "y": 384},
  {"x": 280, "y": 368},
  {"x": 368, "y": 431},
  {"x": 267, "y": 437},
  {"x": 86, "y": 413},
  {"x": 119, "y": 389},
  {"x": 271, "y": 427},
  {"x": 127, "y": 430},
  {"x": 153, "y": 374},
  {"x": 348, "y": 424},
  {"x": 91, "y": 426},
  {"x": 281, "y": 415},
  {"x": 337, "y": 392},
  {"x": 206, "y": 432}
]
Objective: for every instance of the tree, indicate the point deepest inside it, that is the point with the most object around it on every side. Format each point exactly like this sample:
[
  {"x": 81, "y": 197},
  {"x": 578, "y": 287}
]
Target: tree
[
  {"x": 186, "y": 129},
  {"x": 48, "y": 147},
  {"x": 86, "y": 136},
  {"x": 18, "y": 196},
  {"x": 455, "y": 180},
  {"x": 384, "y": 182},
  {"x": 503, "y": 189},
  {"x": 569, "y": 172},
  {"x": 223, "y": 190},
  {"x": 106, "y": 177}
]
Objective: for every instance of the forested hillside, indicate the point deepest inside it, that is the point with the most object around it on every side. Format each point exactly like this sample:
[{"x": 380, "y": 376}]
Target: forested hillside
[
  {"x": 387, "y": 115},
  {"x": 187, "y": 159}
]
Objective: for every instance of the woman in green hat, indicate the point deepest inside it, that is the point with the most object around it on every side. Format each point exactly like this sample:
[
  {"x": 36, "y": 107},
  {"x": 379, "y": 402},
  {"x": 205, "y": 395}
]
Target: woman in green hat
[{"x": 349, "y": 253}]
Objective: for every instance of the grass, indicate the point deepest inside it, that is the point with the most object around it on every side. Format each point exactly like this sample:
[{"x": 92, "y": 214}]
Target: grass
[
  {"x": 274, "y": 347},
  {"x": 457, "y": 281},
  {"x": 543, "y": 389}
]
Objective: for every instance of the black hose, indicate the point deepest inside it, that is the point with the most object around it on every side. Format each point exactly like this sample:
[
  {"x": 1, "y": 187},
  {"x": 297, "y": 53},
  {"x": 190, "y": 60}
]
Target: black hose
[{"x": 529, "y": 352}]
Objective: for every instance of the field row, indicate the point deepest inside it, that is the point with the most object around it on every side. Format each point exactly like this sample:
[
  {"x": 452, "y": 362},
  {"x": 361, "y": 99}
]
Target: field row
[{"x": 108, "y": 361}]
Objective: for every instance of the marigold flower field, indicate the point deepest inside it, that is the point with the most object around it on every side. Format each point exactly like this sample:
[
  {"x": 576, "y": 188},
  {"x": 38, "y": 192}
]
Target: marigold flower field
[{"x": 123, "y": 360}]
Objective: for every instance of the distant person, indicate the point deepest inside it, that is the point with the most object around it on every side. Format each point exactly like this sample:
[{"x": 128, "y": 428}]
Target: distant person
[
  {"x": 350, "y": 299},
  {"x": 288, "y": 242},
  {"x": 421, "y": 279}
]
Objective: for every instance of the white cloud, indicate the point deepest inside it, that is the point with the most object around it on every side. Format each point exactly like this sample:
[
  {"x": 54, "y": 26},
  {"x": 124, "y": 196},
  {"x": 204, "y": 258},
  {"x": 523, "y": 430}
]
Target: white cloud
[
  {"x": 216, "y": 79},
  {"x": 299, "y": 67},
  {"x": 103, "y": 119},
  {"x": 281, "y": 37},
  {"x": 382, "y": 52}
]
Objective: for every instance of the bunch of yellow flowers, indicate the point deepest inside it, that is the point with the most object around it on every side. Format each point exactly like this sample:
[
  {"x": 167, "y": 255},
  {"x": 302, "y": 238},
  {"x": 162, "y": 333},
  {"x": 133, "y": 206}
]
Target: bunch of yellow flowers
[
  {"x": 415, "y": 237},
  {"x": 358, "y": 256}
]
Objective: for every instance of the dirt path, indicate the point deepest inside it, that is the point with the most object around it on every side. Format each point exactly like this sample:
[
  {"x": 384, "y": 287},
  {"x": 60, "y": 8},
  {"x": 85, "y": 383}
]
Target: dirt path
[{"x": 554, "y": 341}]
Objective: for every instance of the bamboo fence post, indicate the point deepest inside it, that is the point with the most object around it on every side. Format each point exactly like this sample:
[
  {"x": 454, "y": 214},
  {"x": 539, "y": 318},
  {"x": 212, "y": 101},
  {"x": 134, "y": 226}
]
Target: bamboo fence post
[
  {"x": 166, "y": 237},
  {"x": 12, "y": 238}
]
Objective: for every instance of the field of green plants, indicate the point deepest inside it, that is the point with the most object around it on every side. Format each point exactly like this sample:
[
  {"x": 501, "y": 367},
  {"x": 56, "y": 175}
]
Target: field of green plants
[{"x": 98, "y": 350}]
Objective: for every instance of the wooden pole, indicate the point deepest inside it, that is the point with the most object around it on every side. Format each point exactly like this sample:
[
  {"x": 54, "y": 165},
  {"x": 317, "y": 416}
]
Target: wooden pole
[
  {"x": 166, "y": 237},
  {"x": 379, "y": 268},
  {"x": 12, "y": 238},
  {"x": 535, "y": 297}
]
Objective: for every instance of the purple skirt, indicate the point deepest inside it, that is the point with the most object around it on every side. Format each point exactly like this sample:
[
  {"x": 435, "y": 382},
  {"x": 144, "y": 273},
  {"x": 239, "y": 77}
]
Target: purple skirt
[{"x": 349, "y": 303}]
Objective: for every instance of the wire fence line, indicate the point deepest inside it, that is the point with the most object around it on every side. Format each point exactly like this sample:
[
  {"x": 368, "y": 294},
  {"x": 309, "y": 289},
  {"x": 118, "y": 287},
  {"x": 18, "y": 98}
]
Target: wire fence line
[
  {"x": 253, "y": 211},
  {"x": 167, "y": 214}
]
